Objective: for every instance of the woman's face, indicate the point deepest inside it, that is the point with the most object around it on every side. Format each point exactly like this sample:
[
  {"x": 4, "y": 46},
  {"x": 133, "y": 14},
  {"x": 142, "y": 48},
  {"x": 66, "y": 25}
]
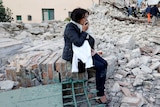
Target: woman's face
[{"x": 84, "y": 19}]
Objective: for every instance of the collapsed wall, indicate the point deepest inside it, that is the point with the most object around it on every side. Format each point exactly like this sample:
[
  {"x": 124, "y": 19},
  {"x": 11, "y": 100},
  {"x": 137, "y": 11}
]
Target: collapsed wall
[{"x": 131, "y": 49}]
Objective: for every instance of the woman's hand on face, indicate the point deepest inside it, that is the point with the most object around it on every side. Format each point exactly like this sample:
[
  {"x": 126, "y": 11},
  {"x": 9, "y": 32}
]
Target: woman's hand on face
[{"x": 85, "y": 26}]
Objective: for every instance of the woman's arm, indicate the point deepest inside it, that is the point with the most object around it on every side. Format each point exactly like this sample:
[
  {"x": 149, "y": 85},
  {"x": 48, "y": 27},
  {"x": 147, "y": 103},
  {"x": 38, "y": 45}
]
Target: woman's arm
[{"x": 73, "y": 33}]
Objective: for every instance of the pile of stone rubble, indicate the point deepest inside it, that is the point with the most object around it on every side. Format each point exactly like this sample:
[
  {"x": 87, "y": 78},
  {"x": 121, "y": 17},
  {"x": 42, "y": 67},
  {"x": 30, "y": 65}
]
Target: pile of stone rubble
[
  {"x": 120, "y": 3},
  {"x": 23, "y": 47},
  {"x": 132, "y": 51}
]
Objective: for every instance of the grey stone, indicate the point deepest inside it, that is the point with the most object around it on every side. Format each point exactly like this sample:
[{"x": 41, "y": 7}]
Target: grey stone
[
  {"x": 116, "y": 87},
  {"x": 118, "y": 77},
  {"x": 155, "y": 65},
  {"x": 127, "y": 42},
  {"x": 146, "y": 69},
  {"x": 6, "y": 85},
  {"x": 132, "y": 101},
  {"x": 157, "y": 101},
  {"x": 112, "y": 62}
]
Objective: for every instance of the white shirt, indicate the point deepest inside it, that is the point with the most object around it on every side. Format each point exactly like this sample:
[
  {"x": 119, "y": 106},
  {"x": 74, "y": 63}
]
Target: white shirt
[{"x": 83, "y": 53}]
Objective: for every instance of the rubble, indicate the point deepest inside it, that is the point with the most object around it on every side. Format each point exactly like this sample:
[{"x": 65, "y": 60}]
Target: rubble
[
  {"x": 132, "y": 52},
  {"x": 120, "y": 3}
]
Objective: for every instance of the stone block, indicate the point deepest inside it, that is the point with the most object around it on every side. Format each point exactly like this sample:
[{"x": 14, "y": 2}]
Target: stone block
[
  {"x": 133, "y": 63},
  {"x": 155, "y": 65},
  {"x": 136, "y": 71},
  {"x": 145, "y": 69},
  {"x": 136, "y": 53},
  {"x": 116, "y": 87},
  {"x": 127, "y": 42},
  {"x": 112, "y": 63},
  {"x": 126, "y": 91},
  {"x": 132, "y": 101},
  {"x": 156, "y": 75},
  {"x": 11, "y": 73},
  {"x": 145, "y": 60},
  {"x": 118, "y": 77}
]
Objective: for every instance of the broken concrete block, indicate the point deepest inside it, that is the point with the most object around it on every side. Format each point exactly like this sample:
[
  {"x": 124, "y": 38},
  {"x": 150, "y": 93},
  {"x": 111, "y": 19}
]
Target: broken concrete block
[
  {"x": 155, "y": 65},
  {"x": 116, "y": 87},
  {"x": 127, "y": 42},
  {"x": 112, "y": 63},
  {"x": 126, "y": 91},
  {"x": 132, "y": 101},
  {"x": 145, "y": 69},
  {"x": 136, "y": 53},
  {"x": 6, "y": 85},
  {"x": 133, "y": 63},
  {"x": 9, "y": 46}
]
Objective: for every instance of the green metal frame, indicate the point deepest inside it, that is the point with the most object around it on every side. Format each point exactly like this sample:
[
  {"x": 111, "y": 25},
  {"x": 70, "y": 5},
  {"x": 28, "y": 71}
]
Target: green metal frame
[{"x": 74, "y": 102}]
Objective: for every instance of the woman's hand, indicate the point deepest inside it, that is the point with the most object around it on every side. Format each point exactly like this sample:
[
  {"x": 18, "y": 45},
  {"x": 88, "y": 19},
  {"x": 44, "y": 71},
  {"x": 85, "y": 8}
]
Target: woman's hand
[
  {"x": 93, "y": 52},
  {"x": 85, "y": 26}
]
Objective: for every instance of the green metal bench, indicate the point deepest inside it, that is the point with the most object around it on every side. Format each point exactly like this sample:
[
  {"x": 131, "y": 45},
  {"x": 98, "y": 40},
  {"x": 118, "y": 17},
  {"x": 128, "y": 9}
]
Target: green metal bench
[{"x": 75, "y": 86}]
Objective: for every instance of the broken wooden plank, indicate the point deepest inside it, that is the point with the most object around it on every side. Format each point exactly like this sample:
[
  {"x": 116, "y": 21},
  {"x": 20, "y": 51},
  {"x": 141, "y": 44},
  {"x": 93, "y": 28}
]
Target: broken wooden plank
[{"x": 129, "y": 19}]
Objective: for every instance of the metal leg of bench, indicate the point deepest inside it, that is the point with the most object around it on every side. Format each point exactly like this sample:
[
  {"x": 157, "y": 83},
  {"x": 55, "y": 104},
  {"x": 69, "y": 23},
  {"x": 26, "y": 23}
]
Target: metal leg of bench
[
  {"x": 85, "y": 92},
  {"x": 74, "y": 95},
  {"x": 79, "y": 80}
]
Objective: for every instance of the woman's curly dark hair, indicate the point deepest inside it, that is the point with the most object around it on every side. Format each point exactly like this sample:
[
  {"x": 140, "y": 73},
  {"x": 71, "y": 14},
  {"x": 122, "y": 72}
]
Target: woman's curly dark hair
[{"x": 77, "y": 14}]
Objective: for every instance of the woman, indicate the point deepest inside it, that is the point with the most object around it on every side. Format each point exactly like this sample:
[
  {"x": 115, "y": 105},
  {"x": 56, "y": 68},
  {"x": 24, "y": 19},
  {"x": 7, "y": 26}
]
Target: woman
[{"x": 76, "y": 33}]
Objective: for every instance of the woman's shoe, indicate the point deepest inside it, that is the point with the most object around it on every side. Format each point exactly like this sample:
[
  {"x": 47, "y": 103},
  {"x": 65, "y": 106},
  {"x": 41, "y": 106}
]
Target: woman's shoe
[
  {"x": 103, "y": 100},
  {"x": 99, "y": 101}
]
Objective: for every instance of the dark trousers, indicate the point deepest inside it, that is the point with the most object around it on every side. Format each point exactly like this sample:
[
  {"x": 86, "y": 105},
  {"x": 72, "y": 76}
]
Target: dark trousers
[{"x": 100, "y": 66}]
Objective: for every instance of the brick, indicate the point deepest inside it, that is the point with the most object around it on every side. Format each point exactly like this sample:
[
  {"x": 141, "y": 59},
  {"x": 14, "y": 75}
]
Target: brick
[
  {"x": 52, "y": 73},
  {"x": 44, "y": 68},
  {"x": 45, "y": 77},
  {"x": 60, "y": 65},
  {"x": 126, "y": 91},
  {"x": 34, "y": 66},
  {"x": 11, "y": 73}
]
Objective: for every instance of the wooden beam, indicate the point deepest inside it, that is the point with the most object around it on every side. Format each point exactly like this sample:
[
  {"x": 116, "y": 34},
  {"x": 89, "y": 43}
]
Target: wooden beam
[{"x": 133, "y": 20}]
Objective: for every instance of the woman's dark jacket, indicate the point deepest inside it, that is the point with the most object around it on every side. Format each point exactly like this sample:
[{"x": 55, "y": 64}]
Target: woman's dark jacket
[{"x": 73, "y": 35}]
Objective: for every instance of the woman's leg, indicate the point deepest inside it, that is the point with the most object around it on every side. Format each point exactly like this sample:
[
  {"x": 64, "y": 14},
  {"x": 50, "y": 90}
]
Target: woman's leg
[
  {"x": 100, "y": 66},
  {"x": 99, "y": 58},
  {"x": 100, "y": 82}
]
